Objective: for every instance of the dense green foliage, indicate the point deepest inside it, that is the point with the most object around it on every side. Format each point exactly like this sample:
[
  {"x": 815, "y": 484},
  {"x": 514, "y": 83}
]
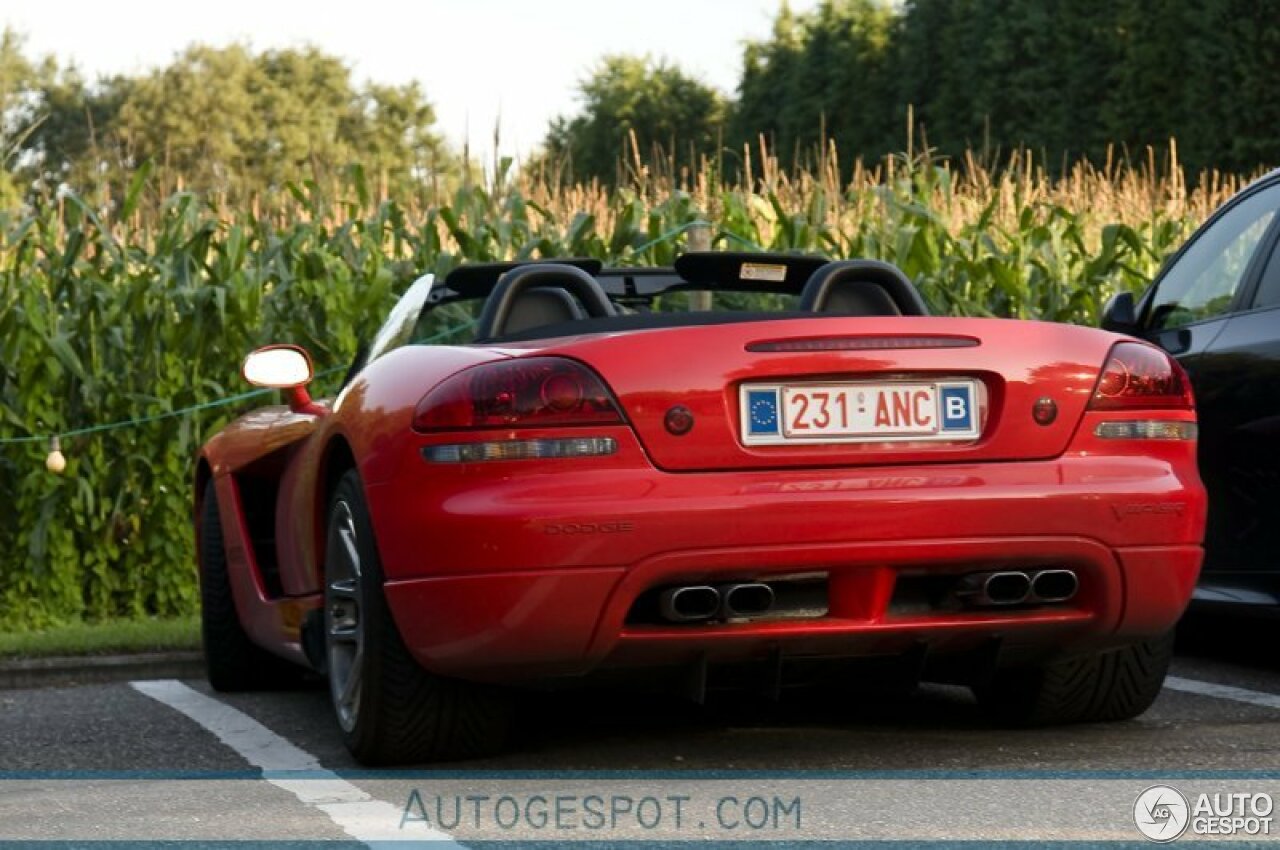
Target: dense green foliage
[
  {"x": 1077, "y": 77},
  {"x": 826, "y": 75},
  {"x": 643, "y": 108},
  {"x": 151, "y": 309},
  {"x": 1064, "y": 78},
  {"x": 215, "y": 120}
]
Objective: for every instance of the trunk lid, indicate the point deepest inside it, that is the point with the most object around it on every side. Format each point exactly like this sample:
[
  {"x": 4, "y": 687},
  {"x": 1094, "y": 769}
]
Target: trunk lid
[{"x": 710, "y": 370}]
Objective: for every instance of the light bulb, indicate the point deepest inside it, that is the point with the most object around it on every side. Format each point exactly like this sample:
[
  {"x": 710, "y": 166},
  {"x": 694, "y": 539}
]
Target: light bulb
[{"x": 56, "y": 462}]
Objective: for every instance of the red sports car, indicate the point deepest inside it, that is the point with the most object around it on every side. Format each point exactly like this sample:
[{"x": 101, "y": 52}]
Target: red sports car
[{"x": 746, "y": 468}]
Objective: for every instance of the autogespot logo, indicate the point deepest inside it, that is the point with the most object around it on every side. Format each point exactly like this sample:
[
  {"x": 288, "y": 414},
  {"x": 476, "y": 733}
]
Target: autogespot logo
[{"x": 1161, "y": 813}]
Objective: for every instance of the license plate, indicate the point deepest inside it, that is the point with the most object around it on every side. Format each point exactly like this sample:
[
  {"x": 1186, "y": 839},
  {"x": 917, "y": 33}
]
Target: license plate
[{"x": 870, "y": 412}]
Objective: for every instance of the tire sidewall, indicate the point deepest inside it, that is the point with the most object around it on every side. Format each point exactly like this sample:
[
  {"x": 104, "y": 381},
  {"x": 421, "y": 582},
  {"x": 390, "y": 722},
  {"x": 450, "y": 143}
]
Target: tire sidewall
[{"x": 374, "y": 612}]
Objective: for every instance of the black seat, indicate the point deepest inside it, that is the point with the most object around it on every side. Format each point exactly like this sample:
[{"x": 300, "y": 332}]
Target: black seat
[
  {"x": 862, "y": 288},
  {"x": 543, "y": 294},
  {"x": 544, "y": 305}
]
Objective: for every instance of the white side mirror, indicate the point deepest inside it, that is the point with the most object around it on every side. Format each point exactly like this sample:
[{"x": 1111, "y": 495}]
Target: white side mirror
[{"x": 278, "y": 366}]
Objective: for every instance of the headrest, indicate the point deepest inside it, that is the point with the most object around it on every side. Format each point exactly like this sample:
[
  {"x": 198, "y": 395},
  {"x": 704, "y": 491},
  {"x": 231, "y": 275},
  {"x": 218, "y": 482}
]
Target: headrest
[
  {"x": 496, "y": 317},
  {"x": 862, "y": 288}
]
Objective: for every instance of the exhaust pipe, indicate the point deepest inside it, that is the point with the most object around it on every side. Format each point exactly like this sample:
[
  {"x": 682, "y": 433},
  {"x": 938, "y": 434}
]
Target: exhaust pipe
[
  {"x": 689, "y": 604},
  {"x": 1000, "y": 588},
  {"x": 750, "y": 599},
  {"x": 1054, "y": 585}
]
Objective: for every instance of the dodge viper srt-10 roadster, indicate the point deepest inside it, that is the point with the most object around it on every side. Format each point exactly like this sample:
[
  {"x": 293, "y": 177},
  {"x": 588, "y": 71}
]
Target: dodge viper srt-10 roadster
[{"x": 752, "y": 470}]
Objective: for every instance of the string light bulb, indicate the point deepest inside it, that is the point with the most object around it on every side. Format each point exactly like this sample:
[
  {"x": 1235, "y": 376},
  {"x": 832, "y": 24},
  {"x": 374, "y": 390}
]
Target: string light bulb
[{"x": 56, "y": 461}]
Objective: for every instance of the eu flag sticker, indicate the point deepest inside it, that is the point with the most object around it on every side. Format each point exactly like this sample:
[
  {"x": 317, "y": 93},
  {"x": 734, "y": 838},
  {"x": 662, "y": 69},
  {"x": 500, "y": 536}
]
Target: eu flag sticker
[
  {"x": 957, "y": 408},
  {"x": 762, "y": 412}
]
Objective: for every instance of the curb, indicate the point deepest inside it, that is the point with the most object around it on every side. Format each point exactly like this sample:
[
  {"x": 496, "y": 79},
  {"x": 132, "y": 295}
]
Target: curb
[{"x": 96, "y": 669}]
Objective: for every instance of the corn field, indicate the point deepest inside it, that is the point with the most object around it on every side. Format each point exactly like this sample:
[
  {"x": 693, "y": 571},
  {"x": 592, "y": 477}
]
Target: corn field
[{"x": 128, "y": 311}]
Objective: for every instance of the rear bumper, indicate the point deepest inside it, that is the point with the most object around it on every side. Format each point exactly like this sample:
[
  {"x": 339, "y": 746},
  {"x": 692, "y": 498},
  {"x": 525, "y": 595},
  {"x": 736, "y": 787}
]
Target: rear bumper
[
  {"x": 518, "y": 573},
  {"x": 572, "y": 621}
]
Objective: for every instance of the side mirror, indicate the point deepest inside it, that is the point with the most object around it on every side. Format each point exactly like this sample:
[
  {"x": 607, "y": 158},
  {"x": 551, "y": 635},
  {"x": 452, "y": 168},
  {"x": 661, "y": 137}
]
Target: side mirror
[
  {"x": 1120, "y": 315},
  {"x": 283, "y": 367},
  {"x": 280, "y": 367}
]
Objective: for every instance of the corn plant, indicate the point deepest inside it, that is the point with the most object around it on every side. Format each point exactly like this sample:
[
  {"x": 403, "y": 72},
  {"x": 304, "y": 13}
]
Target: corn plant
[{"x": 129, "y": 313}]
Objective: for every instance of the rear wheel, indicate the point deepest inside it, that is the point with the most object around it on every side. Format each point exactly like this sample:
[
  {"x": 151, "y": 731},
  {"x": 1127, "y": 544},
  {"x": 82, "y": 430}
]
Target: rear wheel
[
  {"x": 389, "y": 708},
  {"x": 233, "y": 662},
  {"x": 1118, "y": 684}
]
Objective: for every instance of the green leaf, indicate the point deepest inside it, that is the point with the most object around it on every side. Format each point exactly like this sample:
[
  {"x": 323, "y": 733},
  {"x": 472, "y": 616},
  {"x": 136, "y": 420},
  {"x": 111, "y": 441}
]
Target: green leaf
[{"x": 136, "y": 184}]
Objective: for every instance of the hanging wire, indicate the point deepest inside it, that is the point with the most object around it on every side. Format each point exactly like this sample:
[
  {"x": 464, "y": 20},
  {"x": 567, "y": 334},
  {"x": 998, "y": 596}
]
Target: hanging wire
[
  {"x": 195, "y": 408},
  {"x": 245, "y": 396}
]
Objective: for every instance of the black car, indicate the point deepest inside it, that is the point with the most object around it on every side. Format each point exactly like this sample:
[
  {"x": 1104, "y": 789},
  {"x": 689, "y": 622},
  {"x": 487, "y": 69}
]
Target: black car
[{"x": 1216, "y": 308}]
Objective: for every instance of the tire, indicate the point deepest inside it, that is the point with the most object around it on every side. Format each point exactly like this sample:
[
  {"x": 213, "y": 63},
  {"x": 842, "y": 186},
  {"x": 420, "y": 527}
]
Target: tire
[
  {"x": 1118, "y": 684},
  {"x": 394, "y": 711},
  {"x": 233, "y": 662}
]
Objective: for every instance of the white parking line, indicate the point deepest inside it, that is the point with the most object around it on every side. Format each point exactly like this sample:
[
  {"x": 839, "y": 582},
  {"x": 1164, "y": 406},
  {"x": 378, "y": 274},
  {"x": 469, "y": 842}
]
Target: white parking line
[
  {"x": 352, "y": 810},
  {"x": 1212, "y": 689}
]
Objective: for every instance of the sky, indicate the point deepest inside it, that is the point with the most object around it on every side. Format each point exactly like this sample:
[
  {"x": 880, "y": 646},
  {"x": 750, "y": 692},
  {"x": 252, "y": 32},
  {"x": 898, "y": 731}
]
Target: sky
[{"x": 477, "y": 60}]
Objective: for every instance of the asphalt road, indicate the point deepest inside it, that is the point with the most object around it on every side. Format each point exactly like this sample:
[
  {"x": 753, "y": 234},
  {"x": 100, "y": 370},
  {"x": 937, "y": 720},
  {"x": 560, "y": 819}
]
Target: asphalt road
[{"x": 173, "y": 760}]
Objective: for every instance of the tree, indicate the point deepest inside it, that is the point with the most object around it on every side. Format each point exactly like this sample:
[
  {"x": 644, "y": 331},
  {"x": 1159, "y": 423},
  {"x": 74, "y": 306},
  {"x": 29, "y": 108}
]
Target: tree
[
  {"x": 1086, "y": 40},
  {"x": 665, "y": 111},
  {"x": 931, "y": 80},
  {"x": 390, "y": 130},
  {"x": 767, "y": 69},
  {"x": 73, "y": 140},
  {"x": 824, "y": 72},
  {"x": 198, "y": 118},
  {"x": 1148, "y": 82},
  {"x": 1230, "y": 111},
  {"x": 218, "y": 119},
  {"x": 19, "y": 86},
  {"x": 840, "y": 85}
]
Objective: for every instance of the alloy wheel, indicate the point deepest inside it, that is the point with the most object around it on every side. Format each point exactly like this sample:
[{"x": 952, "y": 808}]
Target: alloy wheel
[{"x": 344, "y": 625}]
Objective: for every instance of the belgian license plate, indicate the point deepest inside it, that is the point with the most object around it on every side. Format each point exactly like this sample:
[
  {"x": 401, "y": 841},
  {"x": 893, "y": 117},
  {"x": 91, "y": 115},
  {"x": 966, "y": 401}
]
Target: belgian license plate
[{"x": 867, "y": 412}]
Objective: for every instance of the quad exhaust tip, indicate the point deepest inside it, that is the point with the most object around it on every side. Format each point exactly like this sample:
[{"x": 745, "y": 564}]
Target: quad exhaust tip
[
  {"x": 1054, "y": 585},
  {"x": 1015, "y": 587},
  {"x": 745, "y": 600},
  {"x": 699, "y": 602},
  {"x": 749, "y": 599},
  {"x": 1005, "y": 588},
  {"x": 689, "y": 604}
]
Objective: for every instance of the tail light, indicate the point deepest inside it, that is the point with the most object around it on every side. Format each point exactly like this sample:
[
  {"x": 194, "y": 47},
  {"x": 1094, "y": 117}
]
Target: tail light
[
  {"x": 1140, "y": 377},
  {"x": 533, "y": 392}
]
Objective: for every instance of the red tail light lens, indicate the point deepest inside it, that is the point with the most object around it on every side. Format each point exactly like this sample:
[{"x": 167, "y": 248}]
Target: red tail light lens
[
  {"x": 1139, "y": 377},
  {"x": 533, "y": 392}
]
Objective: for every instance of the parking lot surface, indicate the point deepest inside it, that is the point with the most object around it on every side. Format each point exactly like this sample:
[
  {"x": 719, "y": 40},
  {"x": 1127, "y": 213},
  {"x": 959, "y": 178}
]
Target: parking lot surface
[{"x": 170, "y": 759}]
